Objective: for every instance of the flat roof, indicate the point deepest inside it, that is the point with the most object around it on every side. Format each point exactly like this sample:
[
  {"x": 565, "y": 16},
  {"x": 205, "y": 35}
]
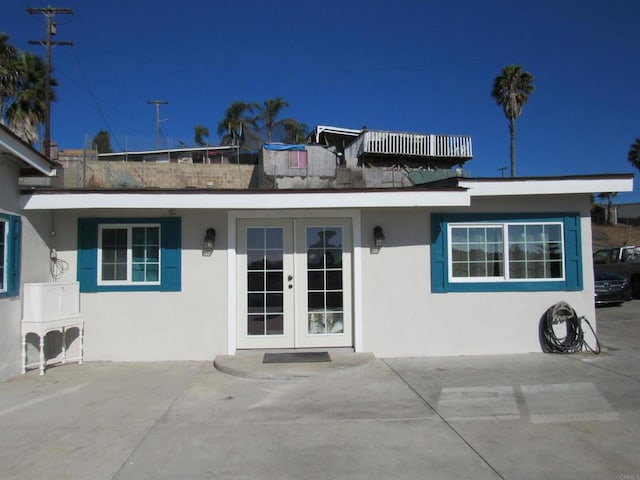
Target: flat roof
[{"x": 431, "y": 195}]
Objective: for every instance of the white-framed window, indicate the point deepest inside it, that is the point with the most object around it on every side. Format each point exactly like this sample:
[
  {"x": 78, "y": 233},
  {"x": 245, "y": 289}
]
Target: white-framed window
[
  {"x": 297, "y": 159},
  {"x": 4, "y": 257},
  {"x": 506, "y": 251},
  {"x": 129, "y": 254}
]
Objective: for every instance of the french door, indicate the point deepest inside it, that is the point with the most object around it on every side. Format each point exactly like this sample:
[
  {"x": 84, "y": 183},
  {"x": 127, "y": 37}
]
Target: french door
[{"x": 294, "y": 283}]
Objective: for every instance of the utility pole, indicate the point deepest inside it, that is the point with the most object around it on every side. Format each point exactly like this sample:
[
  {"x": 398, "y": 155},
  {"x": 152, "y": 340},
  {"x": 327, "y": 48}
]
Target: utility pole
[
  {"x": 157, "y": 103},
  {"x": 49, "y": 13}
]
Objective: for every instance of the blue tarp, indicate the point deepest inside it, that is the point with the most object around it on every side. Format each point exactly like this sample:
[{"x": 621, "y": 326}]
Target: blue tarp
[{"x": 283, "y": 146}]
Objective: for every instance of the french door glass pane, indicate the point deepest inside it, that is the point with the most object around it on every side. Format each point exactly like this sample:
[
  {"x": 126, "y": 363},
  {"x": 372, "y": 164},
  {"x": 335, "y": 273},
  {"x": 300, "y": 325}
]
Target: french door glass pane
[
  {"x": 324, "y": 280},
  {"x": 265, "y": 281}
]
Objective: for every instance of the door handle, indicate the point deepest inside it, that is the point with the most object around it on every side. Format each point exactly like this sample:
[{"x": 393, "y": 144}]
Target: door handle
[{"x": 290, "y": 277}]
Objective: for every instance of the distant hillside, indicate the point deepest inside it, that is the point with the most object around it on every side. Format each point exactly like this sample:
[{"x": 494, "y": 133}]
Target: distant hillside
[{"x": 614, "y": 235}]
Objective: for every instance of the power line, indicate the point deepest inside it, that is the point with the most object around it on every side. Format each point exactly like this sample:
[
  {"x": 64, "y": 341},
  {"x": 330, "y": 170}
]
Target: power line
[
  {"x": 95, "y": 99},
  {"x": 49, "y": 13}
]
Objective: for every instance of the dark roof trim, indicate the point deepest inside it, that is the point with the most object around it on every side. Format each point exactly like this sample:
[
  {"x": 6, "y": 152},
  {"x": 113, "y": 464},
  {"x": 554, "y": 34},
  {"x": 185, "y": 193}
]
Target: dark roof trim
[
  {"x": 211, "y": 191},
  {"x": 599, "y": 176}
]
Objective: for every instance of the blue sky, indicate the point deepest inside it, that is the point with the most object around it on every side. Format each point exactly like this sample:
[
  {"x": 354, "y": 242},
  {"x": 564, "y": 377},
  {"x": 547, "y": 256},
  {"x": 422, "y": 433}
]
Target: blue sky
[{"x": 421, "y": 66}]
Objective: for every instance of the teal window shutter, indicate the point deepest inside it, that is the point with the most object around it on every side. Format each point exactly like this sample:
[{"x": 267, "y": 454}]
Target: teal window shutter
[
  {"x": 88, "y": 254},
  {"x": 171, "y": 254},
  {"x": 438, "y": 254},
  {"x": 573, "y": 252},
  {"x": 14, "y": 255},
  {"x": 572, "y": 244}
]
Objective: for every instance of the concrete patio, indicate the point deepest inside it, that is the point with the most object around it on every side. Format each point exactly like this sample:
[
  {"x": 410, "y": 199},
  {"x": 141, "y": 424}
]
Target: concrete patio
[{"x": 512, "y": 417}]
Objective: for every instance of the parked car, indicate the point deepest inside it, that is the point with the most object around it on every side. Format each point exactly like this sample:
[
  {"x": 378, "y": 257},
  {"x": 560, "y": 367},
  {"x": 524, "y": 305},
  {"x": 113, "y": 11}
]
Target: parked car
[
  {"x": 611, "y": 288},
  {"x": 624, "y": 261}
]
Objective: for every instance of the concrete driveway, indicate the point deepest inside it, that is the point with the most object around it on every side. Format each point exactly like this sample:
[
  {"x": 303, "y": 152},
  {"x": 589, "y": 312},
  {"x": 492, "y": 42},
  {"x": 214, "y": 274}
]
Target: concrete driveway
[{"x": 511, "y": 416}]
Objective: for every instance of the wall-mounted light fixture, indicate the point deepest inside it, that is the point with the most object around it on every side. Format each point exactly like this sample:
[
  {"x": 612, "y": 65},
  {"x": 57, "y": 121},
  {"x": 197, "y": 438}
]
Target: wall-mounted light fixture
[
  {"x": 209, "y": 242},
  {"x": 378, "y": 239}
]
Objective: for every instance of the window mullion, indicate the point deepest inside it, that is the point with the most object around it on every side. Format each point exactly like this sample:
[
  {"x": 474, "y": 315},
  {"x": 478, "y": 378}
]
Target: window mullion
[
  {"x": 129, "y": 254},
  {"x": 505, "y": 246}
]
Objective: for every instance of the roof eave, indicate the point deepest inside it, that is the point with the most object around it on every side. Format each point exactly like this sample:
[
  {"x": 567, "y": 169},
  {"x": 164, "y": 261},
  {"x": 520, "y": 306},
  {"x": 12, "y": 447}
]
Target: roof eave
[
  {"x": 576, "y": 184},
  {"x": 24, "y": 153},
  {"x": 239, "y": 200}
]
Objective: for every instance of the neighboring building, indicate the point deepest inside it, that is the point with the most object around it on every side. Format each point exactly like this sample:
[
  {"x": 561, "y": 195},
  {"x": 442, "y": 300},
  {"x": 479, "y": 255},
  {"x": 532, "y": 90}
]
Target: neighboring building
[
  {"x": 627, "y": 213},
  {"x": 443, "y": 265},
  {"x": 24, "y": 241},
  {"x": 347, "y": 158}
]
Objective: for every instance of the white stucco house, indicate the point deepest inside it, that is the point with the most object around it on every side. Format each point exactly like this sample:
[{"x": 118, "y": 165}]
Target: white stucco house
[
  {"x": 465, "y": 266},
  {"x": 23, "y": 243}
]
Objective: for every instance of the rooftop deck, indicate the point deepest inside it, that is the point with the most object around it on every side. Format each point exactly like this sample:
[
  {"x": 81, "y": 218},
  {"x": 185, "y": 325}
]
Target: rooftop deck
[{"x": 374, "y": 142}]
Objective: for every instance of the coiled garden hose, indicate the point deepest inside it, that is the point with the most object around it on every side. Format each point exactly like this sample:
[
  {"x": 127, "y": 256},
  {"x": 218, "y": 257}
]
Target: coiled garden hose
[{"x": 574, "y": 340}]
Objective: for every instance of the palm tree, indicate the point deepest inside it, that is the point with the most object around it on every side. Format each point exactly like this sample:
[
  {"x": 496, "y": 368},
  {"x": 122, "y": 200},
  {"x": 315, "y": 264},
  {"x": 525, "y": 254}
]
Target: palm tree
[
  {"x": 201, "y": 132},
  {"x": 9, "y": 73},
  {"x": 28, "y": 109},
  {"x": 295, "y": 132},
  {"x": 511, "y": 89},
  {"x": 237, "y": 115},
  {"x": 609, "y": 196},
  {"x": 634, "y": 153},
  {"x": 267, "y": 113}
]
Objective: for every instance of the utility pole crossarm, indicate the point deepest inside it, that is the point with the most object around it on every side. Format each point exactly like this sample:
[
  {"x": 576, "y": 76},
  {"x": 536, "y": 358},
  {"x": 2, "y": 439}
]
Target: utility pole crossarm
[{"x": 50, "y": 10}]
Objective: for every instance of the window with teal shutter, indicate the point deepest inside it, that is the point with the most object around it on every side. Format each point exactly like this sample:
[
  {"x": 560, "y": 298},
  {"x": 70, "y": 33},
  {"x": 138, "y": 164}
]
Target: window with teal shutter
[
  {"x": 10, "y": 236},
  {"x": 124, "y": 254},
  {"x": 505, "y": 252}
]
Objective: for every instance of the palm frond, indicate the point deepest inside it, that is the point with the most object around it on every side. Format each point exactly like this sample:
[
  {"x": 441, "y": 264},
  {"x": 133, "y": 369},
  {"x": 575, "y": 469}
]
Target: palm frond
[{"x": 634, "y": 153}]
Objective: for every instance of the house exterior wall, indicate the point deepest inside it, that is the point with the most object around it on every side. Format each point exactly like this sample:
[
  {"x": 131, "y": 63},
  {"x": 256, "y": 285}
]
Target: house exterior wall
[
  {"x": 33, "y": 268},
  {"x": 10, "y": 307},
  {"x": 190, "y": 324},
  {"x": 402, "y": 317}
]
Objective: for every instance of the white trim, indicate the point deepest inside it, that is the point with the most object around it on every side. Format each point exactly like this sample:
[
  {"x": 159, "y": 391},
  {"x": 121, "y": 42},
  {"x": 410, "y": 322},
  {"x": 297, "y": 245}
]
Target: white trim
[
  {"x": 541, "y": 186},
  {"x": 506, "y": 261},
  {"x": 356, "y": 222},
  {"x": 249, "y": 200},
  {"x": 129, "y": 228},
  {"x": 335, "y": 130},
  {"x": 25, "y": 153},
  {"x": 232, "y": 324}
]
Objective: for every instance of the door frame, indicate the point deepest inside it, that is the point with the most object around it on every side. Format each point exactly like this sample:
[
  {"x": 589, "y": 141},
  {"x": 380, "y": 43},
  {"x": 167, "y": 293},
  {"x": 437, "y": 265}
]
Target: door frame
[{"x": 232, "y": 249}]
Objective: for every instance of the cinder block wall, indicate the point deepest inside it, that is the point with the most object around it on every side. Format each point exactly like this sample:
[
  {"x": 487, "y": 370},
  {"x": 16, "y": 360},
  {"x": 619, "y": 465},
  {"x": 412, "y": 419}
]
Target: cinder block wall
[{"x": 105, "y": 174}]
